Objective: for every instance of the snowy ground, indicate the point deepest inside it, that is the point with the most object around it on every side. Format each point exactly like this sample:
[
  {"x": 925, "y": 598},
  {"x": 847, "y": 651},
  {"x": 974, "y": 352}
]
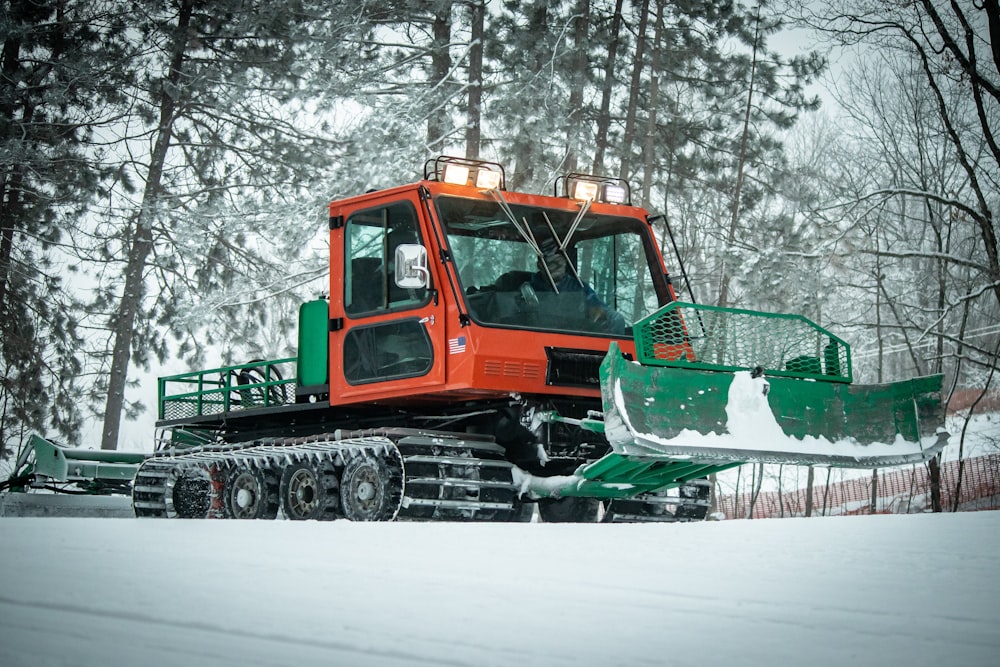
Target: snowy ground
[{"x": 890, "y": 590}]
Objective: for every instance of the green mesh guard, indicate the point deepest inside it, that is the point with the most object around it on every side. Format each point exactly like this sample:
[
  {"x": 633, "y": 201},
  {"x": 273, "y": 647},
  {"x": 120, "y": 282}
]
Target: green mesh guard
[
  {"x": 712, "y": 338},
  {"x": 219, "y": 390}
]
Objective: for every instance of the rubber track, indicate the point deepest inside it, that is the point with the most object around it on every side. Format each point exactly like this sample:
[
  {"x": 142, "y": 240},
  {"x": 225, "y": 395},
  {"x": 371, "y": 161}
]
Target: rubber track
[
  {"x": 205, "y": 470},
  {"x": 454, "y": 479},
  {"x": 691, "y": 505}
]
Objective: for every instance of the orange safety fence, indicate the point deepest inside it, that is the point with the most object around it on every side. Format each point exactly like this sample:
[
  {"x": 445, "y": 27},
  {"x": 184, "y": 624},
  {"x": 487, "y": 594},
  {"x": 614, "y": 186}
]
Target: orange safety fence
[{"x": 898, "y": 491}]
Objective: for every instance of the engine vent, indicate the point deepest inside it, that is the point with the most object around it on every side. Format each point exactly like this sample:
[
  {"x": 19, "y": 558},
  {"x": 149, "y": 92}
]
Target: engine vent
[
  {"x": 511, "y": 369},
  {"x": 573, "y": 368}
]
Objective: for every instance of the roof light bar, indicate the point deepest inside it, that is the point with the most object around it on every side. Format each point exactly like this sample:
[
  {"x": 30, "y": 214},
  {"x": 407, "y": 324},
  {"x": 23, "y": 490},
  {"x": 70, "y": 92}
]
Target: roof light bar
[
  {"x": 466, "y": 171},
  {"x": 603, "y": 189},
  {"x": 615, "y": 194}
]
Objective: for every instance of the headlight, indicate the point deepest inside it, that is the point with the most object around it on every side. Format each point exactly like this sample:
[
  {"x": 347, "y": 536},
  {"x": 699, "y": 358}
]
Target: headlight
[
  {"x": 487, "y": 180},
  {"x": 615, "y": 194},
  {"x": 585, "y": 190},
  {"x": 456, "y": 174}
]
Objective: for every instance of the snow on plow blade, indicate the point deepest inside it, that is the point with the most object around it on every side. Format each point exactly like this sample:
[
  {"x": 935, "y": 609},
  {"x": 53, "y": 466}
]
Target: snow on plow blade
[{"x": 696, "y": 392}]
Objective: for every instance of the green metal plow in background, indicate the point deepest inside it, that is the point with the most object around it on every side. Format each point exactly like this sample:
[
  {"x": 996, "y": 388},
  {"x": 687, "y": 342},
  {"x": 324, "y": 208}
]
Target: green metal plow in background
[{"x": 44, "y": 463}]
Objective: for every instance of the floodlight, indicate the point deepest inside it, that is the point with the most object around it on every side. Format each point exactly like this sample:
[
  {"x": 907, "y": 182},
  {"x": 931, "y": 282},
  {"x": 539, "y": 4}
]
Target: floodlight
[
  {"x": 585, "y": 190},
  {"x": 487, "y": 180},
  {"x": 456, "y": 174},
  {"x": 614, "y": 194}
]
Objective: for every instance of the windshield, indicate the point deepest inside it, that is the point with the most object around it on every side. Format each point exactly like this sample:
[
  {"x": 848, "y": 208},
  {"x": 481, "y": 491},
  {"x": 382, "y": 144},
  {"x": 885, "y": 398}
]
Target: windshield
[{"x": 524, "y": 266}]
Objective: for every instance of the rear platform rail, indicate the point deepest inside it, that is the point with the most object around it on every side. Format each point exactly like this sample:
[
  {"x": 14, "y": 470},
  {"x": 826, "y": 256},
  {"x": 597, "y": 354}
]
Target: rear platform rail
[{"x": 258, "y": 384}]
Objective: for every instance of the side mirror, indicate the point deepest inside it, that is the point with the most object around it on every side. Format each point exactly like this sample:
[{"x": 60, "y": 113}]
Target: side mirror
[{"x": 411, "y": 266}]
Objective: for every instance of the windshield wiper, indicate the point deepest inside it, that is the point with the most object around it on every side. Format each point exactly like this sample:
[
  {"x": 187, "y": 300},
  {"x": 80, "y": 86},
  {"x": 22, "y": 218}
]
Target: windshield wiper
[
  {"x": 584, "y": 207},
  {"x": 562, "y": 247},
  {"x": 526, "y": 234}
]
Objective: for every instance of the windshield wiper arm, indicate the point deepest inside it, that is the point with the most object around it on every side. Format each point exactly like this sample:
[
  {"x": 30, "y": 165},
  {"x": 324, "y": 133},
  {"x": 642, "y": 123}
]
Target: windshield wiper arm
[
  {"x": 526, "y": 234},
  {"x": 584, "y": 207},
  {"x": 562, "y": 247}
]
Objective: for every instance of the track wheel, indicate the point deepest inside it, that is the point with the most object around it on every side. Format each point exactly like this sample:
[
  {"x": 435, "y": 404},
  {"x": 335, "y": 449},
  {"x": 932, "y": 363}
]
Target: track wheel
[
  {"x": 366, "y": 490},
  {"x": 568, "y": 510},
  {"x": 522, "y": 513},
  {"x": 251, "y": 493},
  {"x": 308, "y": 491},
  {"x": 188, "y": 493},
  {"x": 699, "y": 491}
]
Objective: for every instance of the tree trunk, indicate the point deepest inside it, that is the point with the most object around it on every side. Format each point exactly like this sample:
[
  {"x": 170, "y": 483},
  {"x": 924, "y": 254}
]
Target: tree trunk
[
  {"x": 9, "y": 214},
  {"x": 736, "y": 495},
  {"x": 734, "y": 219},
  {"x": 879, "y": 337},
  {"x": 913, "y": 485},
  {"x": 14, "y": 75},
  {"x": 934, "y": 473},
  {"x": 538, "y": 60},
  {"x": 713, "y": 493},
  {"x": 604, "y": 115},
  {"x": 578, "y": 80},
  {"x": 633, "y": 94},
  {"x": 440, "y": 70},
  {"x": 959, "y": 350},
  {"x": 873, "y": 507},
  {"x": 140, "y": 240},
  {"x": 649, "y": 144},
  {"x": 984, "y": 217},
  {"x": 781, "y": 499},
  {"x": 756, "y": 484},
  {"x": 826, "y": 490},
  {"x": 9, "y": 64},
  {"x": 965, "y": 427},
  {"x": 473, "y": 115}
]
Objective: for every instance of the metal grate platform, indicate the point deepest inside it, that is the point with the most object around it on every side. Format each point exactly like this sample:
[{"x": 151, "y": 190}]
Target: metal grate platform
[{"x": 712, "y": 338}]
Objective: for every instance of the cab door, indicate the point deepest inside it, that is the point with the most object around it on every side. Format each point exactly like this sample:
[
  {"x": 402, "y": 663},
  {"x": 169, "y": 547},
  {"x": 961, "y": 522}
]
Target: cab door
[{"x": 385, "y": 340}]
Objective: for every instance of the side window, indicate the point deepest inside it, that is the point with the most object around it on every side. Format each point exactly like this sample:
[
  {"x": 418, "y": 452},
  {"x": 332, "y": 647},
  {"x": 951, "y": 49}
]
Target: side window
[
  {"x": 371, "y": 238},
  {"x": 387, "y": 351}
]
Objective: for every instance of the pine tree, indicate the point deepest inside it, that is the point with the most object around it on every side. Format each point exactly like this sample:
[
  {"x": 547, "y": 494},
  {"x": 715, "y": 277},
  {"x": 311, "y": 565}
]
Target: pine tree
[
  {"x": 528, "y": 106},
  {"x": 724, "y": 98},
  {"x": 54, "y": 87},
  {"x": 227, "y": 111}
]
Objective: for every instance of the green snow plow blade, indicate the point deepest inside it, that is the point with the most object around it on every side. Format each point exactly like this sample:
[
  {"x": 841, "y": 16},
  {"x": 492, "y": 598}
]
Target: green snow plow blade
[
  {"x": 715, "y": 385},
  {"x": 713, "y": 388}
]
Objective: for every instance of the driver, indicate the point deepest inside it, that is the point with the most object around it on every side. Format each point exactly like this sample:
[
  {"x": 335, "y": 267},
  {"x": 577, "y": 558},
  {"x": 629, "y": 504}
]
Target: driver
[{"x": 566, "y": 281}]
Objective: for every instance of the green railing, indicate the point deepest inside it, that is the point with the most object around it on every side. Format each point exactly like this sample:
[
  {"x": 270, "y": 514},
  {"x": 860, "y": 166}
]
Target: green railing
[
  {"x": 712, "y": 338},
  {"x": 258, "y": 384}
]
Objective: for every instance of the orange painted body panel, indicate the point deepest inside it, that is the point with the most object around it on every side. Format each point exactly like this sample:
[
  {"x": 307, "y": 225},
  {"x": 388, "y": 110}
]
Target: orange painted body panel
[
  {"x": 491, "y": 362},
  {"x": 509, "y": 360}
]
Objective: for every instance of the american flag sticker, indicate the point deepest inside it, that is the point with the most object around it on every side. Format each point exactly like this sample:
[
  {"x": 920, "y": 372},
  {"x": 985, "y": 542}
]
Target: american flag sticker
[{"x": 456, "y": 345}]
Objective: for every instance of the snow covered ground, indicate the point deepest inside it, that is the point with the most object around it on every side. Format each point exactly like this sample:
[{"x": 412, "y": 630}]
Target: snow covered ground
[{"x": 875, "y": 590}]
